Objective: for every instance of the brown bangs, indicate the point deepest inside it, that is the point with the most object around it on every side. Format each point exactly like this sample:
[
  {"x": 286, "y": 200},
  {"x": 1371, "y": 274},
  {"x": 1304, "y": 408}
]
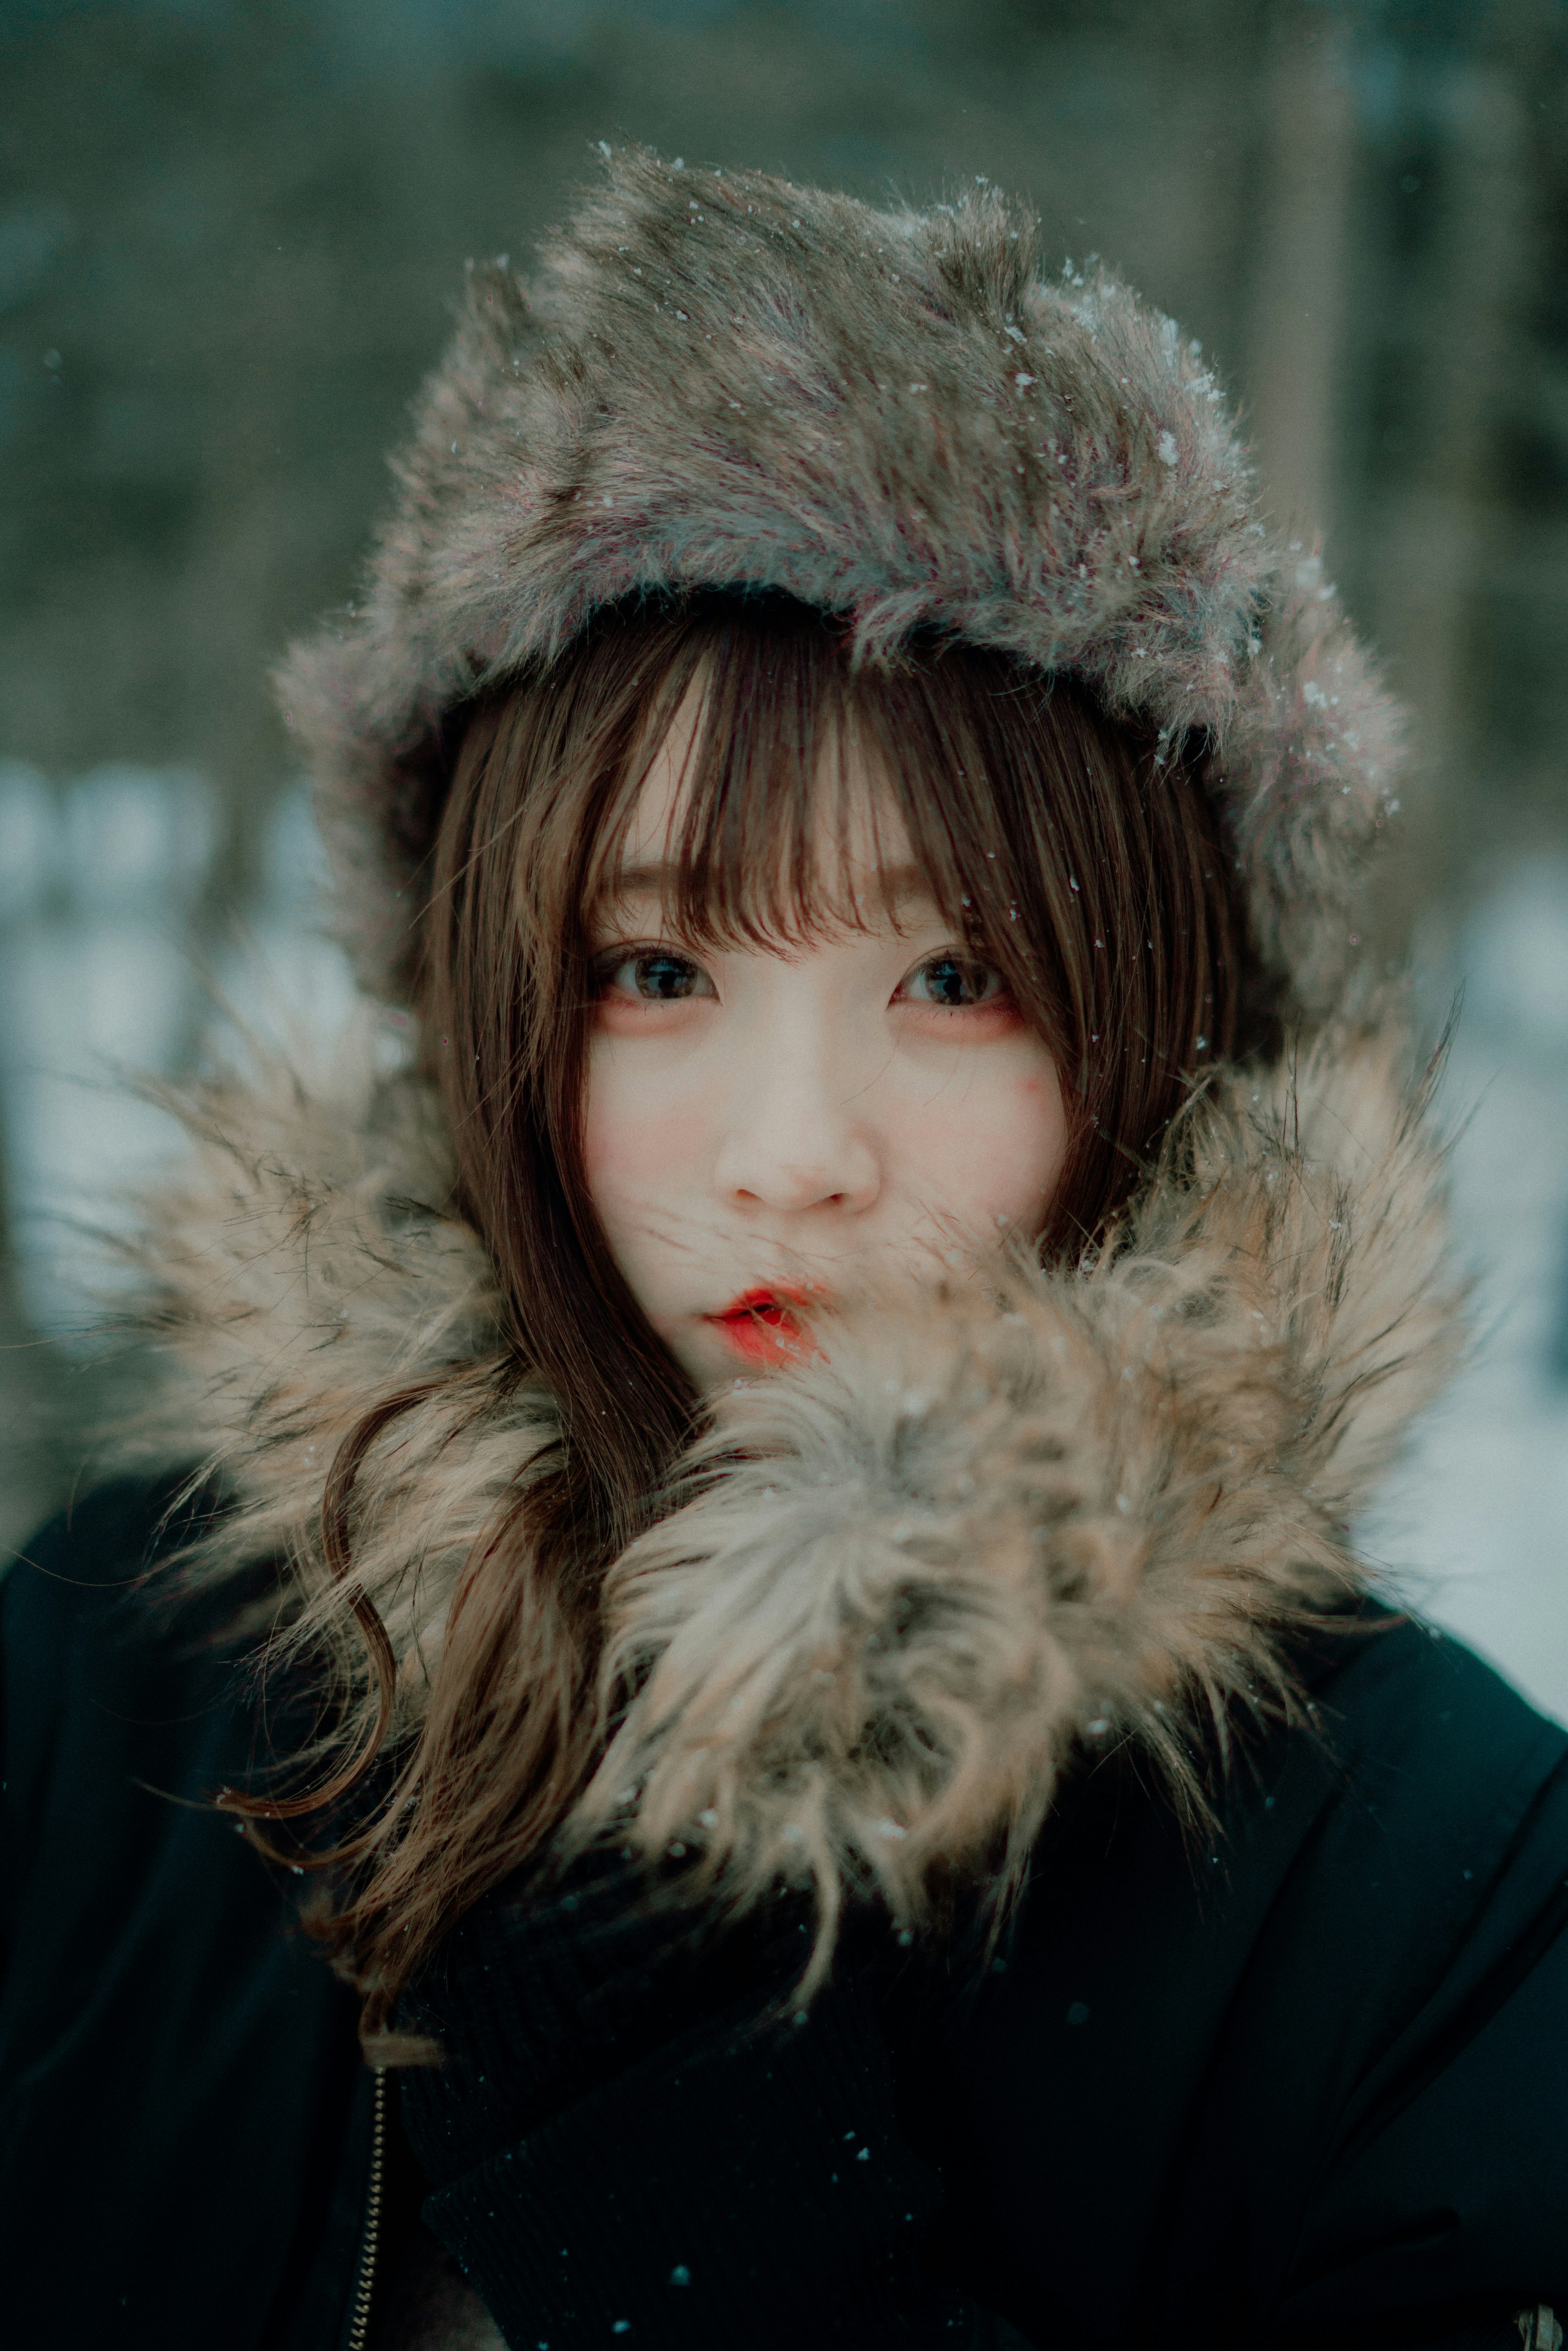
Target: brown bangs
[
  {"x": 772, "y": 798},
  {"x": 1081, "y": 862}
]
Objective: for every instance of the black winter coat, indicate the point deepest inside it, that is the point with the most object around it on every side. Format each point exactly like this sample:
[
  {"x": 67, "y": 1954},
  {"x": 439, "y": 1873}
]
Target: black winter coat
[{"x": 1306, "y": 2085}]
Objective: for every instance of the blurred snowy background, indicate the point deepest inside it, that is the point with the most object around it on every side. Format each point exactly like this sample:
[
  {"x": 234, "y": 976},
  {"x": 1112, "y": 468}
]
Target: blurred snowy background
[
  {"x": 1473, "y": 1529},
  {"x": 229, "y": 234}
]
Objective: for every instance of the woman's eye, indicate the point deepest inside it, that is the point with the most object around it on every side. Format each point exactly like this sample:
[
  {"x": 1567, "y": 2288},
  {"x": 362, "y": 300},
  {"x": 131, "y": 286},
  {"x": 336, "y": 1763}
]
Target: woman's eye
[
  {"x": 655, "y": 976},
  {"x": 954, "y": 982}
]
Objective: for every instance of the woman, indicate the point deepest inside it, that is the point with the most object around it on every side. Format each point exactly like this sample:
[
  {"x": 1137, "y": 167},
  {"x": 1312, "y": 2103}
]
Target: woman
[{"x": 787, "y": 1463}]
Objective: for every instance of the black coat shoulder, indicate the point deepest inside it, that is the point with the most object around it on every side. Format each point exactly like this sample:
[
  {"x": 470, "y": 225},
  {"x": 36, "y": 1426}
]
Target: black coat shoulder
[
  {"x": 178, "y": 2071},
  {"x": 1300, "y": 2082}
]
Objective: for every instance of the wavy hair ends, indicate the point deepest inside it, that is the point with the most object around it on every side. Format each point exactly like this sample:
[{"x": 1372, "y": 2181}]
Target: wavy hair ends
[{"x": 1078, "y": 854}]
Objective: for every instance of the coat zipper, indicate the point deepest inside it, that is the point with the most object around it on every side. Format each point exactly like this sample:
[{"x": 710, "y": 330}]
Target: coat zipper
[{"x": 365, "y": 2275}]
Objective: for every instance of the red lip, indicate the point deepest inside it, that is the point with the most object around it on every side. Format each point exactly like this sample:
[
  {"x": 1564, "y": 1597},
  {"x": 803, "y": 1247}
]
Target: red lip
[{"x": 764, "y": 1326}]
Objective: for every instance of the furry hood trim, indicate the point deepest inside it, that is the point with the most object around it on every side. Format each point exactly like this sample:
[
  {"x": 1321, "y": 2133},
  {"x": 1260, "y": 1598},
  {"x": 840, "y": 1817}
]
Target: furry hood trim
[
  {"x": 720, "y": 380},
  {"x": 904, "y": 1582}
]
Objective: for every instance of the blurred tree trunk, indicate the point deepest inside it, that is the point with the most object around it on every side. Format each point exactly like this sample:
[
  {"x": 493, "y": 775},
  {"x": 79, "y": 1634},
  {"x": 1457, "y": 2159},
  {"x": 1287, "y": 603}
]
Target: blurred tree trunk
[
  {"x": 1431, "y": 528},
  {"x": 1297, "y": 325}
]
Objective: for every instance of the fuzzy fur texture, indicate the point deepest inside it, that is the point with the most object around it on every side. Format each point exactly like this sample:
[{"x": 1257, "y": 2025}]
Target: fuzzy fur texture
[
  {"x": 719, "y": 381},
  {"x": 911, "y": 1576}
]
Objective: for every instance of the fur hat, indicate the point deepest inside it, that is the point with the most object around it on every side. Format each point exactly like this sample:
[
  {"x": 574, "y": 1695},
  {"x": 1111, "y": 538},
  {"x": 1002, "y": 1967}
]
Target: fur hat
[{"x": 724, "y": 381}]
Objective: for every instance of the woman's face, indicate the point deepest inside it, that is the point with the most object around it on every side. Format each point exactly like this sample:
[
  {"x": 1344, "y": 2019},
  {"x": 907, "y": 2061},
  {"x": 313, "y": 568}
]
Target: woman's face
[{"x": 766, "y": 1127}]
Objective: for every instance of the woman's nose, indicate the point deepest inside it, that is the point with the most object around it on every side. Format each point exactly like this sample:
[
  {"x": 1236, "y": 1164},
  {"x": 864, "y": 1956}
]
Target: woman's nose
[{"x": 793, "y": 1139}]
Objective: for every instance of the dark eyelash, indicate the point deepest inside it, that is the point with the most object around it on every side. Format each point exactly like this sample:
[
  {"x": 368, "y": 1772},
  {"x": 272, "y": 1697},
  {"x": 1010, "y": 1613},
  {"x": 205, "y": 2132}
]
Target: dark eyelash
[{"x": 628, "y": 951}]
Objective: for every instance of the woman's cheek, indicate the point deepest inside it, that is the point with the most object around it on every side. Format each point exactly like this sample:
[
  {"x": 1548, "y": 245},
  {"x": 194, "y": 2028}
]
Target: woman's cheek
[
  {"x": 649, "y": 1022},
  {"x": 641, "y": 1124},
  {"x": 1036, "y": 1133},
  {"x": 992, "y": 1151}
]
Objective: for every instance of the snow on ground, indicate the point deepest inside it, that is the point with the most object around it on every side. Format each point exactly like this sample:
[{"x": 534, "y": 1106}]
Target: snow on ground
[{"x": 97, "y": 977}]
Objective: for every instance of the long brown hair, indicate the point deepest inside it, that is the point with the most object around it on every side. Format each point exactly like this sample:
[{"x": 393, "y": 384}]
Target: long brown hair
[{"x": 1082, "y": 858}]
